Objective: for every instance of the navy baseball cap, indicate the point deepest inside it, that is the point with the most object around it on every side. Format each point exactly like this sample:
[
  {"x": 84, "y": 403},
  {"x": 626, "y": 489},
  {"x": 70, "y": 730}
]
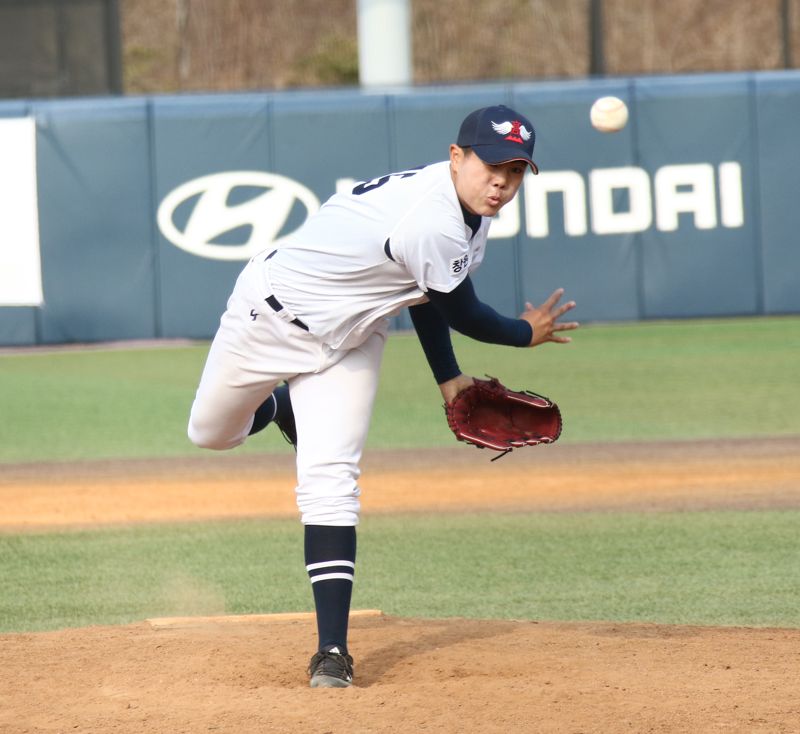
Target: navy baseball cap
[{"x": 497, "y": 135}]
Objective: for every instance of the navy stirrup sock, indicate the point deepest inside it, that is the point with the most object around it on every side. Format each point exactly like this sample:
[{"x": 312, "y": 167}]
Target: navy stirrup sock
[{"x": 330, "y": 553}]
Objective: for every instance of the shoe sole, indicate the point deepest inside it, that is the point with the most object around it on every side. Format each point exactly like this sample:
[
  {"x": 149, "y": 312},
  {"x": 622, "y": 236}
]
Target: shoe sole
[{"x": 329, "y": 681}]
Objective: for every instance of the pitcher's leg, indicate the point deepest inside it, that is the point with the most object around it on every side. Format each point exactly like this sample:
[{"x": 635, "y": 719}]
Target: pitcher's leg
[
  {"x": 252, "y": 352},
  {"x": 227, "y": 398},
  {"x": 332, "y": 411}
]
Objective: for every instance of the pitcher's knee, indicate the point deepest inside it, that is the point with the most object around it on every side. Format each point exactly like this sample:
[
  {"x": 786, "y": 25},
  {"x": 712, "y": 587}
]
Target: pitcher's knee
[
  {"x": 207, "y": 435},
  {"x": 200, "y": 438}
]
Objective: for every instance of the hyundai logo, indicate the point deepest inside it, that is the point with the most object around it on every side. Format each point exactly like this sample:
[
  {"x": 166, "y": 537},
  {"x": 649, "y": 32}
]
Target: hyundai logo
[{"x": 214, "y": 208}]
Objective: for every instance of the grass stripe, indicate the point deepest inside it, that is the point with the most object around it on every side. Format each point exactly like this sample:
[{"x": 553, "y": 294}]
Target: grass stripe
[
  {"x": 710, "y": 568},
  {"x": 642, "y": 381}
]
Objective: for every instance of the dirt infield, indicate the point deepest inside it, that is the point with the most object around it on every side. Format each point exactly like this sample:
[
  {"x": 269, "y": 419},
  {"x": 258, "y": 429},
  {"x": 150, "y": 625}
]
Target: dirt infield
[{"x": 448, "y": 675}]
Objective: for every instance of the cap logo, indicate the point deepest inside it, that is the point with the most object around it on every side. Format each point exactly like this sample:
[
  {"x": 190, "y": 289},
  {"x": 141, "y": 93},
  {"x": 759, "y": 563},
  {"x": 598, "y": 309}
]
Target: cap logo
[{"x": 512, "y": 130}]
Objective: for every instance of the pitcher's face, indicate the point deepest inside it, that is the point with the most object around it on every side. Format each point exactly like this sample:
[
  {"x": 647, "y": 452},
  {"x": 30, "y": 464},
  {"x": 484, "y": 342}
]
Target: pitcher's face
[{"x": 483, "y": 188}]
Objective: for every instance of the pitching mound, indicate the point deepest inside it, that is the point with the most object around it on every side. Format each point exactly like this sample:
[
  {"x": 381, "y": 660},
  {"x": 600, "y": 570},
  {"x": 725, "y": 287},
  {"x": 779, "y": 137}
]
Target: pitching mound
[{"x": 412, "y": 675}]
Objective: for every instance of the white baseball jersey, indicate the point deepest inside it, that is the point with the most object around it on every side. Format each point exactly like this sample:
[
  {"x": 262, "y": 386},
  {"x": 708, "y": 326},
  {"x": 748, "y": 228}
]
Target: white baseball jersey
[{"x": 367, "y": 254}]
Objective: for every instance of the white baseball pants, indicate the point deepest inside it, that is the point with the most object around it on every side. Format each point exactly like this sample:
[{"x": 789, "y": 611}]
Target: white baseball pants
[{"x": 332, "y": 393}]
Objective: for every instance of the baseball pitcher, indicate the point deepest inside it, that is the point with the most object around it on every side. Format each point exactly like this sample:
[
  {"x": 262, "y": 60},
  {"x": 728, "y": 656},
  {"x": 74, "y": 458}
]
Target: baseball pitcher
[{"x": 301, "y": 340}]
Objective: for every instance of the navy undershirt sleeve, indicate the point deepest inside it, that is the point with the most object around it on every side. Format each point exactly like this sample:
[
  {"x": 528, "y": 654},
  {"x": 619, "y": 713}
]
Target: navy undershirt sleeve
[
  {"x": 465, "y": 313},
  {"x": 434, "y": 336},
  {"x": 461, "y": 310}
]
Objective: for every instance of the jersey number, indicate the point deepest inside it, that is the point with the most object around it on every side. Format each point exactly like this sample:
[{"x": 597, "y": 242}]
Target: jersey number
[{"x": 376, "y": 183}]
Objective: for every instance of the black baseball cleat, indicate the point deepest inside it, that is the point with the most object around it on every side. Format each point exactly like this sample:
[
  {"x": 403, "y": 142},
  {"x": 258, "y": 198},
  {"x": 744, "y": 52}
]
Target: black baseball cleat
[
  {"x": 284, "y": 415},
  {"x": 287, "y": 428},
  {"x": 331, "y": 669}
]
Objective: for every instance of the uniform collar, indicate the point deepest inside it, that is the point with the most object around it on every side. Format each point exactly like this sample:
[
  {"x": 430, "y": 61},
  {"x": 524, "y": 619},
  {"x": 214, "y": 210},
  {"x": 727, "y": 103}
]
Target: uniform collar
[{"x": 473, "y": 221}]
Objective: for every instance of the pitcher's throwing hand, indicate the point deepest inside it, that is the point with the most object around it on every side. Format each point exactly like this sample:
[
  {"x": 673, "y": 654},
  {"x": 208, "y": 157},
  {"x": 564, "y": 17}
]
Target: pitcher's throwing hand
[{"x": 544, "y": 319}]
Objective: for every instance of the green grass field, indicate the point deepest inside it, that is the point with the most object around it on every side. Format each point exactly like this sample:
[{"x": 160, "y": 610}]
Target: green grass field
[
  {"x": 694, "y": 379},
  {"x": 690, "y": 379},
  {"x": 726, "y": 568}
]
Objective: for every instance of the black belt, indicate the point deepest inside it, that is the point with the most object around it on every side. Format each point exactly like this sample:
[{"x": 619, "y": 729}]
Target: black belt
[{"x": 276, "y": 306}]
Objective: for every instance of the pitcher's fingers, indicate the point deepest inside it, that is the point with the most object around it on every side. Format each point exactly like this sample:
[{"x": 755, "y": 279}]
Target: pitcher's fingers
[
  {"x": 566, "y": 326},
  {"x": 561, "y": 310},
  {"x": 554, "y": 298}
]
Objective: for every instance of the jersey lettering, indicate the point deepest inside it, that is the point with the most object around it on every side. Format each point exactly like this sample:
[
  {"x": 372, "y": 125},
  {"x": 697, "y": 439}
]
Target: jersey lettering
[
  {"x": 458, "y": 264},
  {"x": 375, "y": 183}
]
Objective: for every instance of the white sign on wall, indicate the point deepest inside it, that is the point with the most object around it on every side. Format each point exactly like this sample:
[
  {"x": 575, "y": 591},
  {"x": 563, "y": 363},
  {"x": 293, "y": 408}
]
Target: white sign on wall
[{"x": 20, "y": 263}]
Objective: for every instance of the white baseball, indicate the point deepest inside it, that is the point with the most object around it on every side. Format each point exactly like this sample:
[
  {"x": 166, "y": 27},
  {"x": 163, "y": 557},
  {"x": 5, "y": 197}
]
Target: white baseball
[{"x": 609, "y": 114}]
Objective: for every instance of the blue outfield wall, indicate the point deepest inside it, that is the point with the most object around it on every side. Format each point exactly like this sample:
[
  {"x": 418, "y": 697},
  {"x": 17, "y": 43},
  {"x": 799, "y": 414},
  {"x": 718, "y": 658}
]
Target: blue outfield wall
[{"x": 149, "y": 206}]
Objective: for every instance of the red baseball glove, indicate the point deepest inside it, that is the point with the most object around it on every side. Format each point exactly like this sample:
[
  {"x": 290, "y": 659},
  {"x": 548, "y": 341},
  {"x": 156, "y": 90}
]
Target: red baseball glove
[{"x": 489, "y": 415}]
